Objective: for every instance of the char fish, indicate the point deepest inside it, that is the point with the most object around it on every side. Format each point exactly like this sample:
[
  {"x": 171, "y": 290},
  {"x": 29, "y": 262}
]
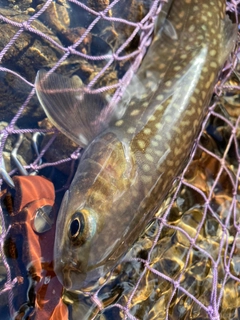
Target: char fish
[{"x": 132, "y": 157}]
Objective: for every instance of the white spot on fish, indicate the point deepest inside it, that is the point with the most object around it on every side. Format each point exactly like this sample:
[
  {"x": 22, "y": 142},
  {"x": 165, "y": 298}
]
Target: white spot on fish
[
  {"x": 159, "y": 107},
  {"x": 146, "y": 167},
  {"x": 168, "y": 83},
  {"x": 179, "y": 25},
  {"x": 168, "y": 135},
  {"x": 154, "y": 143},
  {"x": 203, "y": 94},
  {"x": 177, "y": 129},
  {"x": 152, "y": 118},
  {"x": 135, "y": 112},
  {"x": 141, "y": 144},
  {"x": 191, "y": 28},
  {"x": 213, "y": 64},
  {"x": 131, "y": 130},
  {"x": 183, "y": 56},
  {"x": 177, "y": 151},
  {"x": 196, "y": 91},
  {"x": 177, "y": 163},
  {"x": 119, "y": 123},
  {"x": 168, "y": 119},
  {"x": 147, "y": 131},
  {"x": 170, "y": 163},
  {"x": 158, "y": 153},
  {"x": 213, "y": 52},
  {"x": 149, "y": 157},
  {"x": 193, "y": 99},
  {"x": 146, "y": 179},
  {"x": 160, "y": 97},
  {"x": 158, "y": 137},
  {"x": 161, "y": 66},
  {"x": 181, "y": 14},
  {"x": 177, "y": 68}
]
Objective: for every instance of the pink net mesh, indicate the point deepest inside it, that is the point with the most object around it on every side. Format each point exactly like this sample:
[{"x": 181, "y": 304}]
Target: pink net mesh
[{"x": 186, "y": 264}]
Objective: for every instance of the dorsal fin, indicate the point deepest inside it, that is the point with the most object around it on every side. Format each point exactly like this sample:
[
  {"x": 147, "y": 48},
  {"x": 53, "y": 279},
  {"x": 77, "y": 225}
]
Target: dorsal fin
[{"x": 73, "y": 111}]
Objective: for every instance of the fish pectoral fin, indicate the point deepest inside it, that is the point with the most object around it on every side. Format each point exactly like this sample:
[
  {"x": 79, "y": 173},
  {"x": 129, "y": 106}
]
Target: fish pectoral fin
[
  {"x": 229, "y": 39},
  {"x": 76, "y": 113},
  {"x": 169, "y": 30}
]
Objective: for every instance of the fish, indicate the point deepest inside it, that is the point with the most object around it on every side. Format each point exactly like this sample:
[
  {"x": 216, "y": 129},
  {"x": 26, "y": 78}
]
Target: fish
[{"x": 132, "y": 157}]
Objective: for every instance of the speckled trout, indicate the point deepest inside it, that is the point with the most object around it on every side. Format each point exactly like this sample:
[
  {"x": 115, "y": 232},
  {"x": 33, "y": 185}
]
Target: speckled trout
[{"x": 132, "y": 158}]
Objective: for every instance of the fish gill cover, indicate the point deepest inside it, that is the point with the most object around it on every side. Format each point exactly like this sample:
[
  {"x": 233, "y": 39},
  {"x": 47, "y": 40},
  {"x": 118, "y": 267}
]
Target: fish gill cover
[{"x": 185, "y": 265}]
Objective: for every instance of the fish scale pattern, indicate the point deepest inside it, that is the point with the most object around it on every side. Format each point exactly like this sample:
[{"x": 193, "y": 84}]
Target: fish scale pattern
[{"x": 186, "y": 263}]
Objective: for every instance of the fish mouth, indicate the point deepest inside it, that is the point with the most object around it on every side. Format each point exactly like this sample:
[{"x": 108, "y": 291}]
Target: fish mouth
[
  {"x": 71, "y": 276},
  {"x": 66, "y": 275}
]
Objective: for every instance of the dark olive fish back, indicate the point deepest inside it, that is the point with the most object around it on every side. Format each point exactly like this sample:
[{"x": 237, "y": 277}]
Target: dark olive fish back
[
  {"x": 182, "y": 72},
  {"x": 128, "y": 168}
]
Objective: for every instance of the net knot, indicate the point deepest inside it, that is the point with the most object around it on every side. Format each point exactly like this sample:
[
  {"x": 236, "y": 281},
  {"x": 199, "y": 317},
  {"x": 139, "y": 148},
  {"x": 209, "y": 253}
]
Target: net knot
[
  {"x": 234, "y": 131},
  {"x": 8, "y": 130},
  {"x": 238, "y": 231},
  {"x": 222, "y": 161},
  {"x": 146, "y": 263},
  {"x": 191, "y": 241},
  {"x": 75, "y": 155},
  {"x": 162, "y": 220},
  {"x": 101, "y": 15},
  {"x": 224, "y": 229},
  {"x": 25, "y": 25},
  {"x": 34, "y": 167},
  {"x": 115, "y": 56},
  {"x": 70, "y": 50},
  {"x": 207, "y": 203},
  {"x": 212, "y": 313},
  {"x": 98, "y": 302},
  {"x": 140, "y": 25},
  {"x": 10, "y": 285},
  {"x": 227, "y": 269}
]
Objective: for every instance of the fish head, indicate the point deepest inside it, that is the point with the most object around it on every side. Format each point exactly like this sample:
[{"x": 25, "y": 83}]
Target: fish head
[
  {"x": 75, "y": 230},
  {"x": 92, "y": 220}
]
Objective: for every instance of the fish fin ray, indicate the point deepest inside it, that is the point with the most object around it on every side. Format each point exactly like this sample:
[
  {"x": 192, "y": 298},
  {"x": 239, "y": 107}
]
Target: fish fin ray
[{"x": 73, "y": 111}]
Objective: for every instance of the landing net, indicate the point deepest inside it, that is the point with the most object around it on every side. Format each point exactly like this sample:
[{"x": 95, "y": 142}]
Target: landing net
[{"x": 186, "y": 265}]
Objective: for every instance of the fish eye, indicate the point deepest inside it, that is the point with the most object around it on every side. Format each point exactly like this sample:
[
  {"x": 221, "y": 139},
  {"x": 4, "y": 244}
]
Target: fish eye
[{"x": 76, "y": 226}]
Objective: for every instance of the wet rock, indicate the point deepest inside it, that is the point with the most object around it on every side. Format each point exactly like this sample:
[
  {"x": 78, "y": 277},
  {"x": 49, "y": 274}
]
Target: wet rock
[
  {"x": 20, "y": 5},
  {"x": 61, "y": 147},
  {"x": 29, "y": 52},
  {"x": 26, "y": 56},
  {"x": 56, "y": 16},
  {"x": 113, "y": 33}
]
